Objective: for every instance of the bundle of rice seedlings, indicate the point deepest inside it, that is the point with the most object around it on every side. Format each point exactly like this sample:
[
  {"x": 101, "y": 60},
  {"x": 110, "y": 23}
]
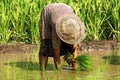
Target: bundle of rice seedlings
[{"x": 84, "y": 61}]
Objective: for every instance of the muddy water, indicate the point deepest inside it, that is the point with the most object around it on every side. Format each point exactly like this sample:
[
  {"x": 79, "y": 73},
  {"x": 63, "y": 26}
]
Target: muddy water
[
  {"x": 105, "y": 70},
  {"x": 16, "y": 61},
  {"x": 100, "y": 70}
]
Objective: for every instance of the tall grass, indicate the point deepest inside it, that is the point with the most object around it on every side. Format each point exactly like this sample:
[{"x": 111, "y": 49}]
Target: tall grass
[
  {"x": 19, "y": 19},
  {"x": 101, "y": 18}
]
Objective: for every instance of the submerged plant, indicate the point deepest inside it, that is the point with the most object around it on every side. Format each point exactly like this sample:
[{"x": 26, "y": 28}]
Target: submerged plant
[{"x": 114, "y": 57}]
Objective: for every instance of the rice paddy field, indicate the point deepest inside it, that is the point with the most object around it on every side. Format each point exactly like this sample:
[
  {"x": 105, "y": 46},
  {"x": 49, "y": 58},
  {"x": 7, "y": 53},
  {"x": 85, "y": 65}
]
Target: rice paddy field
[
  {"x": 20, "y": 62},
  {"x": 19, "y": 24},
  {"x": 19, "y": 19}
]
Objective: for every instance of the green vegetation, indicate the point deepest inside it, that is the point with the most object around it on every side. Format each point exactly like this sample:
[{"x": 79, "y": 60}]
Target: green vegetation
[
  {"x": 114, "y": 57},
  {"x": 19, "y": 22},
  {"x": 19, "y": 19},
  {"x": 84, "y": 61}
]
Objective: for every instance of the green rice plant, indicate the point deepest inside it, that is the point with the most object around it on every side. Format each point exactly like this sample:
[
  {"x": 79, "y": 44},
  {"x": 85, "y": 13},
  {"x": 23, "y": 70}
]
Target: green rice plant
[
  {"x": 113, "y": 58},
  {"x": 16, "y": 73},
  {"x": 91, "y": 14},
  {"x": 84, "y": 61},
  {"x": 112, "y": 10},
  {"x": 19, "y": 19},
  {"x": 95, "y": 15},
  {"x": 26, "y": 29},
  {"x": 36, "y": 76},
  {"x": 6, "y": 73},
  {"x": 33, "y": 28},
  {"x": 5, "y": 18},
  {"x": 95, "y": 75},
  {"x": 116, "y": 19}
]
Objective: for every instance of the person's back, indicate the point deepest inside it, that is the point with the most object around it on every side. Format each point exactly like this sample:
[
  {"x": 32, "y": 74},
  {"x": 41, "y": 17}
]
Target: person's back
[
  {"x": 58, "y": 10},
  {"x": 51, "y": 13},
  {"x": 60, "y": 27}
]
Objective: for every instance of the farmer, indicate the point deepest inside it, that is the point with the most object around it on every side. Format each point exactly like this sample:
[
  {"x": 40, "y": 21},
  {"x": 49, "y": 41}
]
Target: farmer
[{"x": 60, "y": 30}]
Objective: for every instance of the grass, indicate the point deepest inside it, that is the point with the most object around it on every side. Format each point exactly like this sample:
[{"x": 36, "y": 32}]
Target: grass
[{"x": 19, "y": 19}]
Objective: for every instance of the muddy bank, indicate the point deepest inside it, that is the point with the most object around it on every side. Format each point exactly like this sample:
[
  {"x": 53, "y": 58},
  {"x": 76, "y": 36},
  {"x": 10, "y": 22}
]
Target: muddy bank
[
  {"x": 99, "y": 45},
  {"x": 18, "y": 48},
  {"x": 84, "y": 46}
]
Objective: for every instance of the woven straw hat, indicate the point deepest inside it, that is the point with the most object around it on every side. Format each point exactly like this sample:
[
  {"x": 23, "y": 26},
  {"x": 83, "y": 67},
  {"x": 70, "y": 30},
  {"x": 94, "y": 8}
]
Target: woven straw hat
[{"x": 70, "y": 29}]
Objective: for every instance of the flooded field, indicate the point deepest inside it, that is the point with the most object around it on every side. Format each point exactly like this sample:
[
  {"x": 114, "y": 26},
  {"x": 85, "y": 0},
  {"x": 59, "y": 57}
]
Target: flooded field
[{"x": 22, "y": 64}]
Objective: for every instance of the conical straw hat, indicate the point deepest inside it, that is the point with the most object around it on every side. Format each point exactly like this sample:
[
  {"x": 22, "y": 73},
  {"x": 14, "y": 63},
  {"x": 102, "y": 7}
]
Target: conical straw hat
[{"x": 70, "y": 29}]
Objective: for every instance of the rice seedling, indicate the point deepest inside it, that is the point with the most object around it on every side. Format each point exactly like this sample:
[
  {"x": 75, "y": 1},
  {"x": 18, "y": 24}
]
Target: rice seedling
[
  {"x": 19, "y": 20},
  {"x": 84, "y": 61}
]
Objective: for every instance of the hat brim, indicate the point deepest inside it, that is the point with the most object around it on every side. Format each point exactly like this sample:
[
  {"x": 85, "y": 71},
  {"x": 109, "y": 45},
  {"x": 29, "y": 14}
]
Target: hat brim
[{"x": 81, "y": 32}]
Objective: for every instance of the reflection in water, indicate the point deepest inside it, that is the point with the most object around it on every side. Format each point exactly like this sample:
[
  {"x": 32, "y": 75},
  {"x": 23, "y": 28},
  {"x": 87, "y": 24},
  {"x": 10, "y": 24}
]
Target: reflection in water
[{"x": 101, "y": 70}]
